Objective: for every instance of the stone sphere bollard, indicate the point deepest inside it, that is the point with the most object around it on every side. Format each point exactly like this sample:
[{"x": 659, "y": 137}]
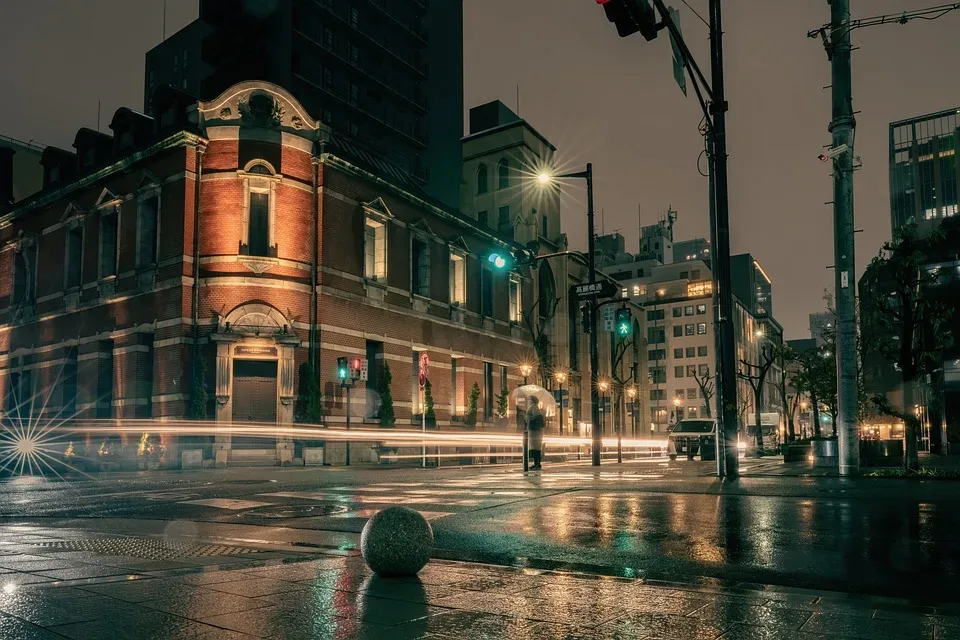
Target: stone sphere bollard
[{"x": 396, "y": 542}]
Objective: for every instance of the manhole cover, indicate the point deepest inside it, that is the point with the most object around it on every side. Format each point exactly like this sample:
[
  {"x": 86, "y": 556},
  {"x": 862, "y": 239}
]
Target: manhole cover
[
  {"x": 147, "y": 548},
  {"x": 298, "y": 511}
]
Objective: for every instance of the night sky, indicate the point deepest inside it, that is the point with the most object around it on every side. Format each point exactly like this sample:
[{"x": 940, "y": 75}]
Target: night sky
[{"x": 599, "y": 98}]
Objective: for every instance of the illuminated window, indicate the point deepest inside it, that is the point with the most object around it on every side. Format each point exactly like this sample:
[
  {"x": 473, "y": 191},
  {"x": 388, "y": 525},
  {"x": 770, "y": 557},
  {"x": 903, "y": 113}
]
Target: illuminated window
[
  {"x": 639, "y": 291},
  {"x": 702, "y": 328},
  {"x": 375, "y": 250},
  {"x": 516, "y": 308},
  {"x": 701, "y": 288},
  {"x": 458, "y": 280}
]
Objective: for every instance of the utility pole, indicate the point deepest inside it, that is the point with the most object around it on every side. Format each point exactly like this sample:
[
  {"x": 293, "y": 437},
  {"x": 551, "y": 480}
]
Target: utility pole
[
  {"x": 596, "y": 435},
  {"x": 727, "y": 383},
  {"x": 714, "y": 269},
  {"x": 842, "y": 127}
]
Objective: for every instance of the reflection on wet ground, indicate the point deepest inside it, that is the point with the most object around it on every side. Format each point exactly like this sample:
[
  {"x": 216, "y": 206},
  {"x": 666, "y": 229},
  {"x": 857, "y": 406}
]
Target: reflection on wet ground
[{"x": 48, "y": 591}]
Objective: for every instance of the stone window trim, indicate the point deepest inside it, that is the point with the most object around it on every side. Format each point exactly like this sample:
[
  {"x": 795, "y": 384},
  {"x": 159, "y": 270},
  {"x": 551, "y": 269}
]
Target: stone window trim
[
  {"x": 456, "y": 253},
  {"x": 258, "y": 182},
  {"x": 114, "y": 211},
  {"x": 70, "y": 225},
  {"x": 381, "y": 218},
  {"x": 418, "y": 235},
  {"x": 28, "y": 246},
  {"x": 144, "y": 195}
]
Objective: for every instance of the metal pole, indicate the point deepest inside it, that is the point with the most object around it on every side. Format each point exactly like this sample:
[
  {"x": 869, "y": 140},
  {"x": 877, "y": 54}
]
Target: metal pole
[
  {"x": 561, "y": 408},
  {"x": 842, "y": 127},
  {"x": 718, "y": 390},
  {"x": 594, "y": 356},
  {"x": 619, "y": 436},
  {"x": 348, "y": 425},
  {"x": 526, "y": 447},
  {"x": 423, "y": 428},
  {"x": 728, "y": 375}
]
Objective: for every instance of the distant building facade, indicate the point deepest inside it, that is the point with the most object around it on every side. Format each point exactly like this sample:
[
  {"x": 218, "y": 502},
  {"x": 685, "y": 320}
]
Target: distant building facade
[{"x": 21, "y": 173}]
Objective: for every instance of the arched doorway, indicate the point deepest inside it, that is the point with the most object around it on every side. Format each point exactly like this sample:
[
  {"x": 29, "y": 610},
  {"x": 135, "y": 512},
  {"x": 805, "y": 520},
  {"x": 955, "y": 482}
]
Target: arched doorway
[{"x": 255, "y": 371}]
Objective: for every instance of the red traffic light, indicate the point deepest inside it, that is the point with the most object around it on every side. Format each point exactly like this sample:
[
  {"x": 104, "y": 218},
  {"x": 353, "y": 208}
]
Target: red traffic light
[{"x": 356, "y": 364}]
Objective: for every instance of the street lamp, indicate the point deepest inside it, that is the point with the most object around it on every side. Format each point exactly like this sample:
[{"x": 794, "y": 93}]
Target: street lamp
[
  {"x": 525, "y": 370},
  {"x": 632, "y": 394},
  {"x": 602, "y": 386},
  {"x": 560, "y": 376},
  {"x": 545, "y": 179}
]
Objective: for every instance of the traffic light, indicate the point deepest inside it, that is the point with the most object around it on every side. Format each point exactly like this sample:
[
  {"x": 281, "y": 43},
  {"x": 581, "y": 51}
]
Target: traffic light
[
  {"x": 343, "y": 370},
  {"x": 624, "y": 323},
  {"x": 631, "y": 16},
  {"x": 501, "y": 261}
]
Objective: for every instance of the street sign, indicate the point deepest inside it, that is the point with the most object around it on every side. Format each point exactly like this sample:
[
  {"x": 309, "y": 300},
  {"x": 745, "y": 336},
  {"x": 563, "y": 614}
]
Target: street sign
[
  {"x": 609, "y": 315},
  {"x": 679, "y": 73},
  {"x": 589, "y": 290}
]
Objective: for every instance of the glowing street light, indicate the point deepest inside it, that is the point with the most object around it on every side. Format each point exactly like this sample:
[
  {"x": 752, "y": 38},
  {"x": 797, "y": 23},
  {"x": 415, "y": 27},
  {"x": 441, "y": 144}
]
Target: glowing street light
[
  {"x": 525, "y": 369},
  {"x": 561, "y": 377}
]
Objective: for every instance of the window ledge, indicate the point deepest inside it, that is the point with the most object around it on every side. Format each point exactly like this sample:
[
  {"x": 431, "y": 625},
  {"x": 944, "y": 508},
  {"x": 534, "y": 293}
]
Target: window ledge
[{"x": 258, "y": 264}]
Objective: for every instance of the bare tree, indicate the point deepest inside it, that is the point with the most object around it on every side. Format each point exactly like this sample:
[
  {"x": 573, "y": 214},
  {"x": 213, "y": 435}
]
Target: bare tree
[
  {"x": 756, "y": 376},
  {"x": 538, "y": 324},
  {"x": 707, "y": 391},
  {"x": 790, "y": 401}
]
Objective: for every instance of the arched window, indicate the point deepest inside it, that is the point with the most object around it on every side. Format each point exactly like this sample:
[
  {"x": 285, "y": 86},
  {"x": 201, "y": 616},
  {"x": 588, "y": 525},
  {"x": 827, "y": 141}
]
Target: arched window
[
  {"x": 503, "y": 174},
  {"x": 258, "y": 236},
  {"x": 482, "y": 179}
]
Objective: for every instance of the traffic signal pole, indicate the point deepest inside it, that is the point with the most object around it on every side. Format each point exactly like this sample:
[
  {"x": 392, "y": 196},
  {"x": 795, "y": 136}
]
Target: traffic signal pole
[
  {"x": 596, "y": 435},
  {"x": 728, "y": 349},
  {"x": 632, "y": 16}
]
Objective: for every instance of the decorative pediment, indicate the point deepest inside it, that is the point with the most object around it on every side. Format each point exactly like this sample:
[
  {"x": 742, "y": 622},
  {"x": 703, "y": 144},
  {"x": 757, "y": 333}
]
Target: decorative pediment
[
  {"x": 258, "y": 104},
  {"x": 147, "y": 180},
  {"x": 459, "y": 244},
  {"x": 422, "y": 227},
  {"x": 107, "y": 198},
  {"x": 377, "y": 207},
  {"x": 72, "y": 212}
]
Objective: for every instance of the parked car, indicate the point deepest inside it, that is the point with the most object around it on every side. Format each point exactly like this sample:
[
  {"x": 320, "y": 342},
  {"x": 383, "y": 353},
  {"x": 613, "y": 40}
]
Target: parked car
[{"x": 693, "y": 436}]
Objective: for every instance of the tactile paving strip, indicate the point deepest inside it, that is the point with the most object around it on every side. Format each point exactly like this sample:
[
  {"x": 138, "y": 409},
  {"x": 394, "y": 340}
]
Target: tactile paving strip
[{"x": 146, "y": 548}]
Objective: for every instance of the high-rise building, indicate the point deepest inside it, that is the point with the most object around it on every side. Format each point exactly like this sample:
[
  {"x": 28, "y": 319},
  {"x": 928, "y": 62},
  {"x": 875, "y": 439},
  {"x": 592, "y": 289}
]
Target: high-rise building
[
  {"x": 751, "y": 284},
  {"x": 695, "y": 249},
  {"x": 821, "y": 325},
  {"x": 924, "y": 172},
  {"x": 387, "y": 76}
]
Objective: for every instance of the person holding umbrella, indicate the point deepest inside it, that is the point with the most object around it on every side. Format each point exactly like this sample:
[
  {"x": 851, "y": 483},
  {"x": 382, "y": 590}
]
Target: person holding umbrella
[{"x": 535, "y": 425}]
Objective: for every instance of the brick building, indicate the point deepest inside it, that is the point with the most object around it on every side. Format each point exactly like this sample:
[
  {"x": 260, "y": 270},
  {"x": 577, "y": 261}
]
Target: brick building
[{"x": 238, "y": 231}]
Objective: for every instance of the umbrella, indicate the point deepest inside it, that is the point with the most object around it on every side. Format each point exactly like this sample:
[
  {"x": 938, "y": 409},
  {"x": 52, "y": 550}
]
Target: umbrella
[{"x": 521, "y": 399}]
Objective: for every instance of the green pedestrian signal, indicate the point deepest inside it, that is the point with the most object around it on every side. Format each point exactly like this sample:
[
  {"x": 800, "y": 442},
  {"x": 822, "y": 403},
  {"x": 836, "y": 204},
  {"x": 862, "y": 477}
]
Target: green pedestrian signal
[
  {"x": 624, "y": 323},
  {"x": 343, "y": 370}
]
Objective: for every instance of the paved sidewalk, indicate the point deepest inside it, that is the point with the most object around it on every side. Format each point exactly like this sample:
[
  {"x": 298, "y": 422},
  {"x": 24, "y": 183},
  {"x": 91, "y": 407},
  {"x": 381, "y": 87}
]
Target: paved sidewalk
[{"x": 57, "y": 583}]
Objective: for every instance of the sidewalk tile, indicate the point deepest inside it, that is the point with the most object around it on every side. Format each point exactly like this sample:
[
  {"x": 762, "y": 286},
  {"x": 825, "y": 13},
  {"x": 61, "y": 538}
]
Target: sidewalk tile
[
  {"x": 11, "y": 627},
  {"x": 746, "y": 632},
  {"x": 254, "y": 587},
  {"x": 499, "y": 584},
  {"x": 142, "y": 590},
  {"x": 57, "y": 609},
  {"x": 87, "y": 571},
  {"x": 143, "y": 625},
  {"x": 842, "y": 624},
  {"x": 201, "y": 602},
  {"x": 728, "y": 613},
  {"x": 658, "y": 625}
]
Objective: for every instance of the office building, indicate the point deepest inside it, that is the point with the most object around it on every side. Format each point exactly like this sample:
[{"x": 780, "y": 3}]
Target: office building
[
  {"x": 386, "y": 76},
  {"x": 924, "y": 172}
]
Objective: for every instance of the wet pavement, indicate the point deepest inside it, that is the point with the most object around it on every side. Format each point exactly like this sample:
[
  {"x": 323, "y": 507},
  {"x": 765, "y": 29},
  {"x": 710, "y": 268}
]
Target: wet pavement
[
  {"x": 64, "y": 582},
  {"x": 889, "y": 547}
]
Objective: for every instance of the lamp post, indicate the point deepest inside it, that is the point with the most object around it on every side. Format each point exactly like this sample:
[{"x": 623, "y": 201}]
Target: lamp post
[
  {"x": 525, "y": 370},
  {"x": 659, "y": 293},
  {"x": 632, "y": 394},
  {"x": 603, "y": 386},
  {"x": 561, "y": 377},
  {"x": 545, "y": 179}
]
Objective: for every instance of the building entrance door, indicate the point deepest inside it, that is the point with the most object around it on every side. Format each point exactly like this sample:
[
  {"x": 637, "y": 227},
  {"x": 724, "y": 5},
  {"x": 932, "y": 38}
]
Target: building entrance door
[{"x": 254, "y": 398}]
